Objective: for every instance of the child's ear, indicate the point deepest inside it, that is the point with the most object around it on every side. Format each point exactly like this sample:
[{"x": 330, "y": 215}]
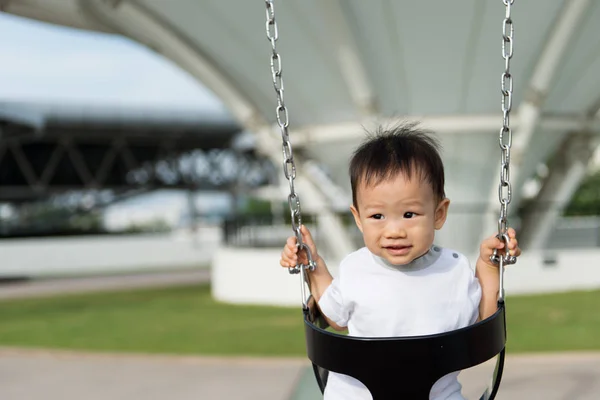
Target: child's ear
[
  {"x": 441, "y": 212},
  {"x": 356, "y": 217}
]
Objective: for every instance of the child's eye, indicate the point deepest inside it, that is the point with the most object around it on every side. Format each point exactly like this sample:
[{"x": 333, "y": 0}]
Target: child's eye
[
  {"x": 377, "y": 216},
  {"x": 409, "y": 214}
]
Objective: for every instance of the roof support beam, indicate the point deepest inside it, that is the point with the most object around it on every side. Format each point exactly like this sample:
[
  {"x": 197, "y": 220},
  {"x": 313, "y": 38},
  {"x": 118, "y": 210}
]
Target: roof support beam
[
  {"x": 459, "y": 124},
  {"x": 545, "y": 70},
  {"x": 529, "y": 111},
  {"x": 348, "y": 57}
]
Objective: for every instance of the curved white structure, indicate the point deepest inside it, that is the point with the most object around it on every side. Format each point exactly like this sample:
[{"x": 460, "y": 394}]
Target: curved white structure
[{"x": 350, "y": 64}]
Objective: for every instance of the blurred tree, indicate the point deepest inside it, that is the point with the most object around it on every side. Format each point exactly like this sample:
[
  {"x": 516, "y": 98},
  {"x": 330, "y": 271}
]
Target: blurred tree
[
  {"x": 255, "y": 206},
  {"x": 586, "y": 200}
]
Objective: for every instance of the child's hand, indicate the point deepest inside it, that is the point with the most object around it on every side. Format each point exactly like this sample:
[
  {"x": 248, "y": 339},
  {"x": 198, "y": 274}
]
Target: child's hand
[
  {"x": 289, "y": 255},
  {"x": 490, "y": 244}
]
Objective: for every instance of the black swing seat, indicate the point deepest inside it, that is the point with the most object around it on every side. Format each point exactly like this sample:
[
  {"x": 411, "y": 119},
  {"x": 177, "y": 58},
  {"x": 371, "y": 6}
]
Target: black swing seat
[{"x": 405, "y": 368}]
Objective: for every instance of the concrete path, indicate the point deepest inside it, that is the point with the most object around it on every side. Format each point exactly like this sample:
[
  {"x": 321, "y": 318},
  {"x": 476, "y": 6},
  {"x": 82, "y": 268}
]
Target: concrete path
[
  {"x": 54, "y": 375},
  {"x": 32, "y": 375},
  {"x": 568, "y": 376},
  {"x": 46, "y": 287}
]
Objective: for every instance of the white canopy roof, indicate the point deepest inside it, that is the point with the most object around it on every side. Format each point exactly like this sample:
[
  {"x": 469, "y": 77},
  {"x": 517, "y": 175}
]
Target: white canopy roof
[
  {"x": 347, "y": 58},
  {"x": 348, "y": 62}
]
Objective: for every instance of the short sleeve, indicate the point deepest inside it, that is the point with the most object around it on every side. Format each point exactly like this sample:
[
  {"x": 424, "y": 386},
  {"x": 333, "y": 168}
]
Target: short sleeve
[
  {"x": 332, "y": 304},
  {"x": 474, "y": 296}
]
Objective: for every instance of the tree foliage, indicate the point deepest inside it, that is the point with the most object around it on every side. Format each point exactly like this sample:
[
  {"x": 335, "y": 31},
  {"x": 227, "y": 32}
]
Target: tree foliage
[{"x": 586, "y": 200}]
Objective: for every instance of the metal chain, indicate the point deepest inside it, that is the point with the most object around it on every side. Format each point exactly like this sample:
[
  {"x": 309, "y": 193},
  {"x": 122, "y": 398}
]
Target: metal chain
[
  {"x": 504, "y": 189},
  {"x": 289, "y": 166},
  {"x": 505, "y": 138}
]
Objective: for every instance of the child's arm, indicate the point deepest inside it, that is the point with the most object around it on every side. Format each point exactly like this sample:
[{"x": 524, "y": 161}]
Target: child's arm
[
  {"x": 487, "y": 272},
  {"x": 320, "y": 278}
]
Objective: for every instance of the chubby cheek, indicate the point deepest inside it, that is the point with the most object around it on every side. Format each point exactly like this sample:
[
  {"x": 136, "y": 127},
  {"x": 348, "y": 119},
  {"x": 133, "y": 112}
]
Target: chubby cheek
[
  {"x": 425, "y": 232},
  {"x": 430, "y": 237},
  {"x": 370, "y": 234}
]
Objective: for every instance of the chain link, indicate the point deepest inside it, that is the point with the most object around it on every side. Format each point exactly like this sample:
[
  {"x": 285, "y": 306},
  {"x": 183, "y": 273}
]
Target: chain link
[
  {"x": 289, "y": 165},
  {"x": 505, "y": 139}
]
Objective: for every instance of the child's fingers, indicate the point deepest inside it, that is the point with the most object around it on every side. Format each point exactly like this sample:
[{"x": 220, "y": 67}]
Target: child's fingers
[
  {"x": 290, "y": 252},
  {"x": 291, "y": 256},
  {"x": 287, "y": 263},
  {"x": 498, "y": 244},
  {"x": 288, "y": 260},
  {"x": 307, "y": 238},
  {"x": 284, "y": 263},
  {"x": 492, "y": 243},
  {"x": 513, "y": 247},
  {"x": 291, "y": 242},
  {"x": 513, "y": 243},
  {"x": 306, "y": 233},
  {"x": 290, "y": 247},
  {"x": 489, "y": 245}
]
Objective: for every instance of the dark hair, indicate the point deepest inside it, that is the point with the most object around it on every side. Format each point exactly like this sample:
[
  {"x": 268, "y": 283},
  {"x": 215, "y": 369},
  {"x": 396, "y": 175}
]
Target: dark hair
[{"x": 402, "y": 149}]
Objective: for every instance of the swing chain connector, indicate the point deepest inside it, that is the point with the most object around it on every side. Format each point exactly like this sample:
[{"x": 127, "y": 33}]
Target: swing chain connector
[
  {"x": 301, "y": 268},
  {"x": 311, "y": 265},
  {"x": 507, "y": 259}
]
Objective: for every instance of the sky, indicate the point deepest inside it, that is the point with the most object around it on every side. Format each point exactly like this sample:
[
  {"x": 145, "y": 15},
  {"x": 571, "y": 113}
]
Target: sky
[{"x": 45, "y": 63}]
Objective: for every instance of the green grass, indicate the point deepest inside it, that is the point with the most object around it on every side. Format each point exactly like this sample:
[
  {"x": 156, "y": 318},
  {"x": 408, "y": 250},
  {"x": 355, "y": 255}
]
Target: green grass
[
  {"x": 182, "y": 320},
  {"x": 187, "y": 321},
  {"x": 556, "y": 322}
]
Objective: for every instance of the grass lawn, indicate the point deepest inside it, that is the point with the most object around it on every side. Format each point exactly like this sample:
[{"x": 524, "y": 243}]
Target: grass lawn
[
  {"x": 557, "y": 322},
  {"x": 187, "y": 321}
]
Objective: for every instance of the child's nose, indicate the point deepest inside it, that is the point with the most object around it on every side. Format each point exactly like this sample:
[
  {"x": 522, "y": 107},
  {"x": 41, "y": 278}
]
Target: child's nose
[{"x": 395, "y": 229}]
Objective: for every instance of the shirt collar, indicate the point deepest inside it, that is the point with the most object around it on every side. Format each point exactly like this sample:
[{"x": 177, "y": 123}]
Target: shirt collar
[{"x": 419, "y": 263}]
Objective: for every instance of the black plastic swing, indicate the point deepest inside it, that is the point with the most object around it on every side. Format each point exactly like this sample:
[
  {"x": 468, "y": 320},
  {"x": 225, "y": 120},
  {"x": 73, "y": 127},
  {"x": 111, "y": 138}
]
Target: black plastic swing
[{"x": 421, "y": 360}]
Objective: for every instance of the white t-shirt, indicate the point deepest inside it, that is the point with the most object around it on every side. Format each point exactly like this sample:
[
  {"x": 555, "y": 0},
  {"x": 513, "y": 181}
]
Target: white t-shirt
[{"x": 435, "y": 293}]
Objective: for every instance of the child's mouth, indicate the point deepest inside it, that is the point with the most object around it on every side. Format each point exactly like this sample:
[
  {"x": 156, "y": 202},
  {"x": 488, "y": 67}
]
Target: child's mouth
[{"x": 398, "y": 250}]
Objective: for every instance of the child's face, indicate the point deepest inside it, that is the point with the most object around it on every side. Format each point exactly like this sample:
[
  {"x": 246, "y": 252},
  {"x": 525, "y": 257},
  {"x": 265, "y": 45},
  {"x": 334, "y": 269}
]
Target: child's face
[{"x": 398, "y": 217}]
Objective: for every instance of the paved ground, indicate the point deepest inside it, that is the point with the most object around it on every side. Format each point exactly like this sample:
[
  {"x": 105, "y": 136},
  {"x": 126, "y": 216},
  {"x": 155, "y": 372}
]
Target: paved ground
[
  {"x": 31, "y": 374},
  {"x": 572, "y": 376},
  {"x": 26, "y": 375},
  {"x": 35, "y": 288}
]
